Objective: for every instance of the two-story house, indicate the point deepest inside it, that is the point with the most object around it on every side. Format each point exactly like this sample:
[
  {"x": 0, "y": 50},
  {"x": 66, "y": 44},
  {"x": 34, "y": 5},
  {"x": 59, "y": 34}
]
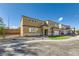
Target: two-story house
[{"x": 35, "y": 27}]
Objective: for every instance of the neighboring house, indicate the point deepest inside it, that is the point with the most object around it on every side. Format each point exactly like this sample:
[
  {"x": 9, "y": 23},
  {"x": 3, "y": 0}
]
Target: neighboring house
[{"x": 36, "y": 27}]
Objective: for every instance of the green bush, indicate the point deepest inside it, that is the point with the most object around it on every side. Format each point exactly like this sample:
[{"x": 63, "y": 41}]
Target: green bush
[{"x": 2, "y": 26}]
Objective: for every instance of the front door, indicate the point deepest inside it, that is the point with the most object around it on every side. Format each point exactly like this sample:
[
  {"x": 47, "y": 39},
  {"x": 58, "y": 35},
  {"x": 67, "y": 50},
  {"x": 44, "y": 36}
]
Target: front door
[{"x": 46, "y": 31}]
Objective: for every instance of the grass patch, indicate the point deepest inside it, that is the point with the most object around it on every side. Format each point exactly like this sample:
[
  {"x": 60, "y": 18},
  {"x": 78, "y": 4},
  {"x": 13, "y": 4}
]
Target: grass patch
[{"x": 59, "y": 37}]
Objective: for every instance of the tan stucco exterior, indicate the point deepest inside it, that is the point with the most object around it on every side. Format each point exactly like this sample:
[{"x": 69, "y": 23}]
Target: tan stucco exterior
[{"x": 35, "y": 27}]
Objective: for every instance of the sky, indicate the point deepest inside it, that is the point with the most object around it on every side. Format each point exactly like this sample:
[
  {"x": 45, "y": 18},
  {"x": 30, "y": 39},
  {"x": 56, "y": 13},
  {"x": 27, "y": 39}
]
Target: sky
[{"x": 65, "y": 13}]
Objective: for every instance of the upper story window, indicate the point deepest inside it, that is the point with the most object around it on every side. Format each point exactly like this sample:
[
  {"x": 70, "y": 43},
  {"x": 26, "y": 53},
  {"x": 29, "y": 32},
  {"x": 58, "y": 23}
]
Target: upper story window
[{"x": 56, "y": 25}]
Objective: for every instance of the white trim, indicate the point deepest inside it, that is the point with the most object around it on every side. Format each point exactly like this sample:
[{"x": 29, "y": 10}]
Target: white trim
[{"x": 21, "y": 32}]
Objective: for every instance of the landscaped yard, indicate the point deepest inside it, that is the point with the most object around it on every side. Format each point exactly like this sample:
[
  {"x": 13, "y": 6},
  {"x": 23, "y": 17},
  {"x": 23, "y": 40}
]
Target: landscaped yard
[{"x": 59, "y": 37}]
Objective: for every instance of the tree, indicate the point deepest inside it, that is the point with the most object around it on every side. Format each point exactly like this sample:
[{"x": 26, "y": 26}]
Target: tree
[
  {"x": 77, "y": 31},
  {"x": 2, "y": 26}
]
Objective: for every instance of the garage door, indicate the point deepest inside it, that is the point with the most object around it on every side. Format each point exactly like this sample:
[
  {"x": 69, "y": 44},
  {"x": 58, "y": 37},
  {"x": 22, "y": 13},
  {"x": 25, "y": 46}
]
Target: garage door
[
  {"x": 56, "y": 33},
  {"x": 65, "y": 32}
]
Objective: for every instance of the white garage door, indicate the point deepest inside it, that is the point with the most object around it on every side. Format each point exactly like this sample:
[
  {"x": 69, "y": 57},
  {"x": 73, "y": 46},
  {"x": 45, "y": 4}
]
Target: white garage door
[
  {"x": 56, "y": 33},
  {"x": 65, "y": 32}
]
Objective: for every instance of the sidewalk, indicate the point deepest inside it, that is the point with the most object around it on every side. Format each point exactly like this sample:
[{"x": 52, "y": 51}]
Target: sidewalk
[
  {"x": 9, "y": 36},
  {"x": 45, "y": 39}
]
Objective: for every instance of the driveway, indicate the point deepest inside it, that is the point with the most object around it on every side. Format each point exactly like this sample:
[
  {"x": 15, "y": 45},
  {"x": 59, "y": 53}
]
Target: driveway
[{"x": 36, "y": 47}]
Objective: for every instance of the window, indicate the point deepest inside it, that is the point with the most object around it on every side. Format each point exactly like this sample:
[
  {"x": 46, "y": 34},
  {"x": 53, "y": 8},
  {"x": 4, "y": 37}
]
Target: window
[
  {"x": 33, "y": 29},
  {"x": 56, "y": 25},
  {"x": 35, "y": 20}
]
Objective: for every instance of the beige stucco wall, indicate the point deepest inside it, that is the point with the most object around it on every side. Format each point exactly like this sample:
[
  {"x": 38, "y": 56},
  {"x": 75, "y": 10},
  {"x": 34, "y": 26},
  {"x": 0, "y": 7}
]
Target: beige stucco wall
[
  {"x": 27, "y": 33},
  {"x": 27, "y": 22}
]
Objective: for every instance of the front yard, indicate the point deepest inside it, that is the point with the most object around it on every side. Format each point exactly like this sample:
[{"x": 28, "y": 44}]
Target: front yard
[
  {"x": 35, "y": 46},
  {"x": 59, "y": 37}
]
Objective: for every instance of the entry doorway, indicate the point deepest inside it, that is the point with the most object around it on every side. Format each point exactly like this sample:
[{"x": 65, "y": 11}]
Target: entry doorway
[{"x": 46, "y": 32}]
